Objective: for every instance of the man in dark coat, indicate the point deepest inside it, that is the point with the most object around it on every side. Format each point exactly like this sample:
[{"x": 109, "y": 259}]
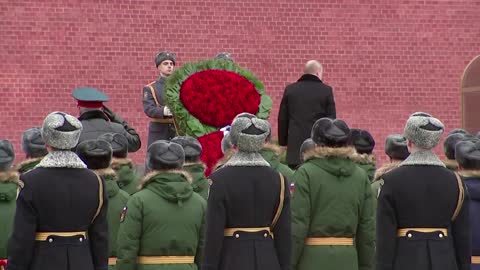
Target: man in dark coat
[
  {"x": 467, "y": 154},
  {"x": 423, "y": 208},
  {"x": 161, "y": 125},
  {"x": 60, "y": 222},
  {"x": 98, "y": 119},
  {"x": 248, "y": 211},
  {"x": 303, "y": 102}
]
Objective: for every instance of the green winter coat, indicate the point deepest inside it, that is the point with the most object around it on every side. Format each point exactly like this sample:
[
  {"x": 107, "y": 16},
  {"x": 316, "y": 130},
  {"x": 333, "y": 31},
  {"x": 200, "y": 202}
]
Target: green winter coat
[
  {"x": 127, "y": 178},
  {"x": 28, "y": 164},
  {"x": 332, "y": 198},
  {"x": 367, "y": 163},
  {"x": 200, "y": 183},
  {"x": 271, "y": 153},
  {"x": 9, "y": 185},
  {"x": 165, "y": 218},
  {"x": 117, "y": 200}
]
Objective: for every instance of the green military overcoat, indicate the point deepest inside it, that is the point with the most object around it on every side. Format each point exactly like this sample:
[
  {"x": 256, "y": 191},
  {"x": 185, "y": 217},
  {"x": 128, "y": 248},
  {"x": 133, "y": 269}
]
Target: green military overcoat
[
  {"x": 200, "y": 183},
  {"x": 165, "y": 218},
  {"x": 332, "y": 198},
  {"x": 127, "y": 178},
  {"x": 9, "y": 185}
]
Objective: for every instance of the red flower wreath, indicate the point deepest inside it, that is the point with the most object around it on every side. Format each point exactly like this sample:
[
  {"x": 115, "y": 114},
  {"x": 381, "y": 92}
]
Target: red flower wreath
[{"x": 215, "y": 97}]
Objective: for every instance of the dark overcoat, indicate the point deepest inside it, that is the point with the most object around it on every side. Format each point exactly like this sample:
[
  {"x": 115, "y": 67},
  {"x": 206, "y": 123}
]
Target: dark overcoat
[
  {"x": 60, "y": 199},
  {"x": 422, "y": 196},
  {"x": 303, "y": 102},
  {"x": 96, "y": 123},
  {"x": 246, "y": 197}
]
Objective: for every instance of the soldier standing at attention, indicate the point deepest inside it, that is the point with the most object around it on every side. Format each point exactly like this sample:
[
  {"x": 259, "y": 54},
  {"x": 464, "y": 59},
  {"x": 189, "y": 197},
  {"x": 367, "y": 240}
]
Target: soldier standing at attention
[
  {"x": 333, "y": 223},
  {"x": 97, "y": 119},
  {"x": 9, "y": 185},
  {"x": 162, "y": 225},
  {"x": 61, "y": 216},
  {"x": 248, "y": 216},
  {"x": 161, "y": 125},
  {"x": 423, "y": 208},
  {"x": 97, "y": 155},
  {"x": 34, "y": 148},
  {"x": 364, "y": 143}
]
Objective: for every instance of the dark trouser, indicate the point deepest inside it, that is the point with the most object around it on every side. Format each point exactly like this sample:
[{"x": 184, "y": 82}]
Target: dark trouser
[{"x": 159, "y": 131}]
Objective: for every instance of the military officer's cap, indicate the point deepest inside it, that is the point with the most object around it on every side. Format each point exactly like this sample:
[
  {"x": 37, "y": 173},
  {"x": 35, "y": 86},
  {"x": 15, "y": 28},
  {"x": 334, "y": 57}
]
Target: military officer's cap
[
  {"x": 306, "y": 146},
  {"x": 118, "y": 142},
  {"x": 450, "y": 142},
  {"x": 163, "y": 155},
  {"x": 191, "y": 147},
  {"x": 396, "y": 147},
  {"x": 33, "y": 144},
  {"x": 96, "y": 154},
  {"x": 329, "y": 132},
  {"x": 224, "y": 56},
  {"x": 423, "y": 130},
  {"x": 165, "y": 55},
  {"x": 362, "y": 140},
  {"x": 89, "y": 97},
  {"x": 467, "y": 154},
  {"x": 61, "y": 130},
  {"x": 7, "y": 155},
  {"x": 248, "y": 132}
]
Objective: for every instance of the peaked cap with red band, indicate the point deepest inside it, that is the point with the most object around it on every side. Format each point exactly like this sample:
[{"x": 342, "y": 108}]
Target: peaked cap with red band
[{"x": 88, "y": 97}]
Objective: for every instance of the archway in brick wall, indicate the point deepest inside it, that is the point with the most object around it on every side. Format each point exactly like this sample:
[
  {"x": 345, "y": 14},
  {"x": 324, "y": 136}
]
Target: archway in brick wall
[{"x": 470, "y": 87}]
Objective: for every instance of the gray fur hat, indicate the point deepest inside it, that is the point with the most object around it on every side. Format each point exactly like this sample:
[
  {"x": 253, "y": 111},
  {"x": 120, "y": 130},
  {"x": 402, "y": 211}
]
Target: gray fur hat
[
  {"x": 7, "y": 155},
  {"x": 396, "y": 147},
  {"x": 467, "y": 154},
  {"x": 191, "y": 147},
  {"x": 248, "y": 132},
  {"x": 224, "y": 56},
  {"x": 96, "y": 154},
  {"x": 165, "y": 55},
  {"x": 61, "y": 130},
  {"x": 226, "y": 143},
  {"x": 118, "y": 142},
  {"x": 423, "y": 130},
  {"x": 163, "y": 155},
  {"x": 330, "y": 133},
  {"x": 33, "y": 144}
]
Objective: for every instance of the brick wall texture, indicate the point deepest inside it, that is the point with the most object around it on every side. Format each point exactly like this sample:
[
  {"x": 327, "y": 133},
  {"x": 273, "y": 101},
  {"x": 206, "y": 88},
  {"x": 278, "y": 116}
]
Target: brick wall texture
[{"x": 385, "y": 59}]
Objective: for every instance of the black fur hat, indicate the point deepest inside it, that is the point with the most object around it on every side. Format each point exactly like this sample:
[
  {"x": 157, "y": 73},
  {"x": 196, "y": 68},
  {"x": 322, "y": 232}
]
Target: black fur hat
[
  {"x": 162, "y": 155},
  {"x": 33, "y": 144},
  {"x": 307, "y": 145},
  {"x": 458, "y": 130},
  {"x": 7, "y": 155},
  {"x": 118, "y": 142},
  {"x": 330, "y": 133},
  {"x": 396, "y": 147},
  {"x": 191, "y": 147},
  {"x": 467, "y": 154},
  {"x": 450, "y": 142},
  {"x": 362, "y": 140},
  {"x": 96, "y": 154}
]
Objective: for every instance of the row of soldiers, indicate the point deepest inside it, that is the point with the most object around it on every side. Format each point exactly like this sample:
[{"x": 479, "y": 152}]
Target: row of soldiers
[{"x": 332, "y": 220}]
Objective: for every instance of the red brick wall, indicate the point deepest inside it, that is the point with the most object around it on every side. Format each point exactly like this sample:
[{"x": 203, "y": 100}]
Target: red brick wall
[{"x": 385, "y": 59}]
